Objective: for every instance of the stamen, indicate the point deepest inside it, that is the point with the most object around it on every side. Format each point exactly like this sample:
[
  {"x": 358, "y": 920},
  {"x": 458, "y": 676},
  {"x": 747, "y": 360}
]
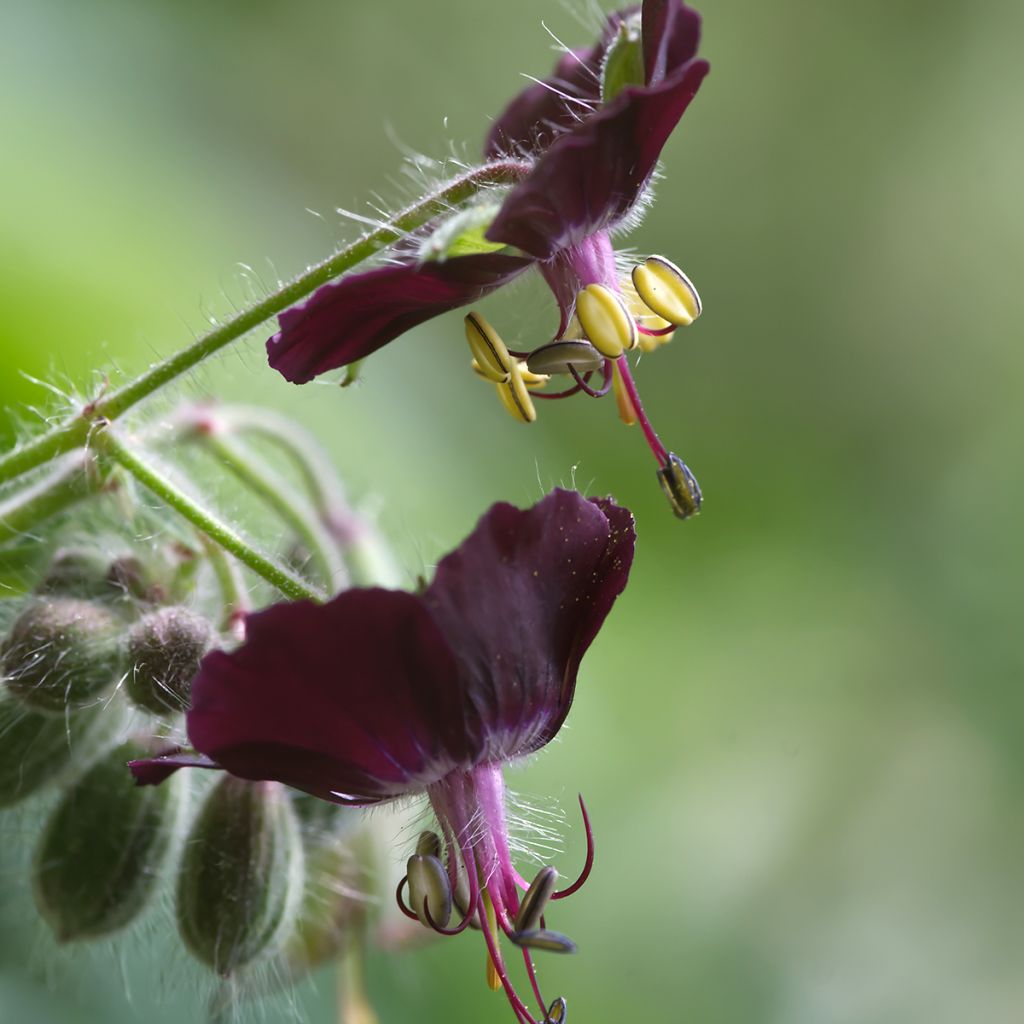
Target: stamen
[
  {"x": 428, "y": 882},
  {"x": 653, "y": 441},
  {"x": 587, "y": 864},
  {"x": 515, "y": 396},
  {"x": 402, "y": 906},
  {"x": 583, "y": 383},
  {"x": 556, "y": 1012},
  {"x": 490, "y": 356},
  {"x": 608, "y": 323},
  {"x": 494, "y": 979},
  {"x": 627, "y": 412},
  {"x": 564, "y": 355},
  {"x": 429, "y": 844},
  {"x": 553, "y": 942},
  {"x": 667, "y": 291},
  {"x": 680, "y": 487},
  {"x": 531, "y": 908},
  {"x": 531, "y": 379}
]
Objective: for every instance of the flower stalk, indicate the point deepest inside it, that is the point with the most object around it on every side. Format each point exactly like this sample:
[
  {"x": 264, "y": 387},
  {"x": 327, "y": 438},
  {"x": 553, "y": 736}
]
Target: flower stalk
[
  {"x": 288, "y": 583},
  {"x": 74, "y": 432}
]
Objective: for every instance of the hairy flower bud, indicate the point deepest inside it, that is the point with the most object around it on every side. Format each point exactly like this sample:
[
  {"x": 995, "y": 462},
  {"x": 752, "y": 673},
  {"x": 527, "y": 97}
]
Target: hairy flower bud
[
  {"x": 36, "y": 748},
  {"x": 164, "y": 651},
  {"x": 77, "y": 572},
  {"x": 62, "y": 653},
  {"x": 104, "y": 848},
  {"x": 333, "y": 904},
  {"x": 242, "y": 875}
]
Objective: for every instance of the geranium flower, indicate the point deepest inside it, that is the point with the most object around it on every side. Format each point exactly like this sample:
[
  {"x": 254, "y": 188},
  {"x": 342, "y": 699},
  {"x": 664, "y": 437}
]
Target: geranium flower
[
  {"x": 382, "y": 694},
  {"x": 588, "y": 140}
]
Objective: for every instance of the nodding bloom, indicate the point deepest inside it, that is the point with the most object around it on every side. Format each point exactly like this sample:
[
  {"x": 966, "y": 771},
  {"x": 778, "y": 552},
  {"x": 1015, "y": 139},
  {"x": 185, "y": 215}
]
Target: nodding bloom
[
  {"x": 584, "y": 144},
  {"x": 382, "y": 694}
]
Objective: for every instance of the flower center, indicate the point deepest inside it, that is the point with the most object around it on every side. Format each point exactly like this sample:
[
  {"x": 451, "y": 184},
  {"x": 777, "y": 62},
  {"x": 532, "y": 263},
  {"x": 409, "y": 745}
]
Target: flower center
[
  {"x": 604, "y": 315},
  {"x": 471, "y": 868}
]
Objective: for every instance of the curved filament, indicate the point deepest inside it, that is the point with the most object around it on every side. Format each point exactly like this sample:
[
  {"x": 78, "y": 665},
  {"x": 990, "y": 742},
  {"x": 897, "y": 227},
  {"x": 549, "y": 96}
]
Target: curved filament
[{"x": 587, "y": 864}]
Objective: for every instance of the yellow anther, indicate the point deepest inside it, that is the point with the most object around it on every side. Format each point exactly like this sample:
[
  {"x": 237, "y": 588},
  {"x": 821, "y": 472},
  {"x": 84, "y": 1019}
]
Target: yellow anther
[
  {"x": 530, "y": 379},
  {"x": 515, "y": 396},
  {"x": 666, "y": 290},
  {"x": 606, "y": 320},
  {"x": 490, "y": 356},
  {"x": 645, "y": 318},
  {"x": 627, "y": 411},
  {"x": 479, "y": 371}
]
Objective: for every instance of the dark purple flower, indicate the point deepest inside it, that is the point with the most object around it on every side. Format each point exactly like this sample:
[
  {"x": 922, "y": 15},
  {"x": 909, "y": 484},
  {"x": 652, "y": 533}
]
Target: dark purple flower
[
  {"x": 586, "y": 141},
  {"x": 381, "y": 694}
]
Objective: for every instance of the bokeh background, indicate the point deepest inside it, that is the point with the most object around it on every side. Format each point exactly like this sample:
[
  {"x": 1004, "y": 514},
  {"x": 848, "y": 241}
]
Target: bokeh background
[{"x": 800, "y": 736}]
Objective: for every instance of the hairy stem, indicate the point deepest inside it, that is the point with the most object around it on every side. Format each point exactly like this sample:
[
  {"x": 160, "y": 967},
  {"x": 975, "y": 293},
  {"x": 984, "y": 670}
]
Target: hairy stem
[
  {"x": 74, "y": 478},
  {"x": 256, "y": 475},
  {"x": 74, "y": 432},
  {"x": 288, "y": 583}
]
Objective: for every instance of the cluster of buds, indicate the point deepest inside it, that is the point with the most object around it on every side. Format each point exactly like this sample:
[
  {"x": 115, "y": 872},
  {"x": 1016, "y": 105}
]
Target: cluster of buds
[{"x": 97, "y": 669}]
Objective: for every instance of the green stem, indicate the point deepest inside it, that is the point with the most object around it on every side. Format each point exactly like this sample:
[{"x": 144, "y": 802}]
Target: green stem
[
  {"x": 107, "y": 443},
  {"x": 74, "y": 432},
  {"x": 277, "y": 493},
  {"x": 234, "y": 598},
  {"x": 75, "y": 478},
  {"x": 367, "y": 558}
]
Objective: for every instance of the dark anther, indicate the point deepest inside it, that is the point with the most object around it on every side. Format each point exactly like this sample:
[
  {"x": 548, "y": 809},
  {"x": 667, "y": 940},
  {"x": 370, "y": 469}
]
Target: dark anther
[
  {"x": 587, "y": 864},
  {"x": 429, "y": 880},
  {"x": 556, "y": 1012},
  {"x": 531, "y": 909},
  {"x": 680, "y": 487},
  {"x": 553, "y": 942},
  {"x": 467, "y": 920},
  {"x": 429, "y": 844}
]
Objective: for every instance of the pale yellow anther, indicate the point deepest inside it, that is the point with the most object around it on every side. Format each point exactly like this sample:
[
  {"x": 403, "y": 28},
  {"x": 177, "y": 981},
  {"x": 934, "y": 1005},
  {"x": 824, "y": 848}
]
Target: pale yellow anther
[
  {"x": 645, "y": 318},
  {"x": 530, "y": 379},
  {"x": 607, "y": 322},
  {"x": 479, "y": 371},
  {"x": 516, "y": 398},
  {"x": 627, "y": 411},
  {"x": 667, "y": 291},
  {"x": 490, "y": 356}
]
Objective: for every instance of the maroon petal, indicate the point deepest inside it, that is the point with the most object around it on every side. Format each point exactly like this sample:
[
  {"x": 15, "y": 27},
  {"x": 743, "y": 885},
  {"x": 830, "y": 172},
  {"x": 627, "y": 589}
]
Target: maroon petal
[
  {"x": 545, "y": 109},
  {"x": 355, "y": 700},
  {"x": 592, "y": 175},
  {"x": 354, "y": 316},
  {"x": 671, "y": 34},
  {"x": 520, "y": 600},
  {"x": 151, "y": 771}
]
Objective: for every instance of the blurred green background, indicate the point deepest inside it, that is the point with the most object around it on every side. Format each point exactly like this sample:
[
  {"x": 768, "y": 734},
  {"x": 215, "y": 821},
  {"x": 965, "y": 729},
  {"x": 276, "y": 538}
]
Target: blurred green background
[{"x": 800, "y": 735}]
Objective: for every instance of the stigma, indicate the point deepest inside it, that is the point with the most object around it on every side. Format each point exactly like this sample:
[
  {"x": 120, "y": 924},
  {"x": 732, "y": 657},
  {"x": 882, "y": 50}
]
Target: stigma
[{"x": 602, "y": 321}]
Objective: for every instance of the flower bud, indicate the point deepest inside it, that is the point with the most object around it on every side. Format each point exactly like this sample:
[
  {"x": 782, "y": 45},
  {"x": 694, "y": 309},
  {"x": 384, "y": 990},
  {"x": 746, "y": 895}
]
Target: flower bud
[
  {"x": 37, "y": 748},
  {"x": 62, "y": 653},
  {"x": 242, "y": 875},
  {"x": 77, "y": 572},
  {"x": 333, "y": 906},
  {"x": 104, "y": 849},
  {"x": 164, "y": 651}
]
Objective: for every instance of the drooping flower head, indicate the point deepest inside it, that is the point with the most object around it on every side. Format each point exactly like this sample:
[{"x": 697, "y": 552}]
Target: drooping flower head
[
  {"x": 585, "y": 143},
  {"x": 382, "y": 694}
]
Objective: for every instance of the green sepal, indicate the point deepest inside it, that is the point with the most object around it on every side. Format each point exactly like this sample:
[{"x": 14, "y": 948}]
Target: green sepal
[
  {"x": 624, "y": 60},
  {"x": 104, "y": 849},
  {"x": 462, "y": 234}
]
